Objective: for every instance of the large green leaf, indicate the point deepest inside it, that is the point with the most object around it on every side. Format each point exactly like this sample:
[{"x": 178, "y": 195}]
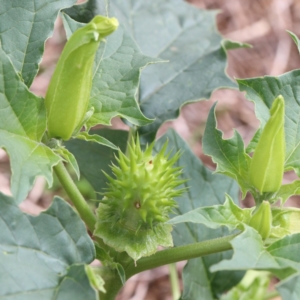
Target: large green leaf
[
  {"x": 174, "y": 31},
  {"x": 93, "y": 158},
  {"x": 22, "y": 124},
  {"x": 42, "y": 257},
  {"x": 205, "y": 189},
  {"x": 289, "y": 289},
  {"x": 281, "y": 255},
  {"x": 263, "y": 91},
  {"x": 228, "y": 214},
  {"x": 117, "y": 70},
  {"x": 24, "y": 27},
  {"x": 229, "y": 155}
]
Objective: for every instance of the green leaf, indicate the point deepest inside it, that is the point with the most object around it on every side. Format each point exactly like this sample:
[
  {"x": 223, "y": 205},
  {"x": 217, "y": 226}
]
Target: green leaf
[
  {"x": 69, "y": 158},
  {"x": 24, "y": 27},
  {"x": 77, "y": 284},
  {"x": 228, "y": 214},
  {"x": 94, "y": 159},
  {"x": 295, "y": 39},
  {"x": 289, "y": 289},
  {"x": 116, "y": 78},
  {"x": 231, "y": 45},
  {"x": 167, "y": 30},
  {"x": 96, "y": 139},
  {"x": 205, "y": 189},
  {"x": 281, "y": 257},
  {"x": 186, "y": 37},
  {"x": 22, "y": 125},
  {"x": 229, "y": 155},
  {"x": 248, "y": 242},
  {"x": 286, "y": 191},
  {"x": 42, "y": 256},
  {"x": 263, "y": 91}
]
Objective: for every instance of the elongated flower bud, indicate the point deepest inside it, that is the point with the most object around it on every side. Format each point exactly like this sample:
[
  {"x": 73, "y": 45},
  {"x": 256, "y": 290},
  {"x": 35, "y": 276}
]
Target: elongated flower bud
[
  {"x": 68, "y": 94},
  {"x": 262, "y": 220},
  {"x": 267, "y": 165},
  {"x": 138, "y": 201}
]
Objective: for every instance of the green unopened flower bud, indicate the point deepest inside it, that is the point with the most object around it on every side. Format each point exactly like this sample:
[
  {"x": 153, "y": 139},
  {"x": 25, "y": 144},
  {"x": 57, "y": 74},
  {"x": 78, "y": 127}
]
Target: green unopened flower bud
[
  {"x": 69, "y": 90},
  {"x": 267, "y": 165},
  {"x": 262, "y": 220},
  {"x": 138, "y": 200}
]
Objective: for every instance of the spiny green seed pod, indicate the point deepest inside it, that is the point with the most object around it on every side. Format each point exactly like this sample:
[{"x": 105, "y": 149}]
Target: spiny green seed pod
[
  {"x": 69, "y": 90},
  {"x": 138, "y": 201},
  {"x": 262, "y": 219},
  {"x": 267, "y": 165}
]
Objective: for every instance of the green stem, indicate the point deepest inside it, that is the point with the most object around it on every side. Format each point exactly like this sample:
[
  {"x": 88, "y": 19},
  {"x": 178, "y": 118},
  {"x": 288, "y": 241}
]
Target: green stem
[
  {"x": 180, "y": 253},
  {"x": 174, "y": 281},
  {"x": 77, "y": 199}
]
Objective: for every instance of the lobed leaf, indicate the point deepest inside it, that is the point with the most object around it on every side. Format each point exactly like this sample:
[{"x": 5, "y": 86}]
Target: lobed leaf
[
  {"x": 22, "y": 125},
  {"x": 43, "y": 257},
  {"x": 229, "y": 155},
  {"x": 24, "y": 28},
  {"x": 116, "y": 77},
  {"x": 204, "y": 189}
]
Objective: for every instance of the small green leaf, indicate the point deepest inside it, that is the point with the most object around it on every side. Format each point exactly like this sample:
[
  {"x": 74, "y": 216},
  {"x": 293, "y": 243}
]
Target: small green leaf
[
  {"x": 228, "y": 214},
  {"x": 229, "y": 155},
  {"x": 286, "y": 191},
  {"x": 69, "y": 158},
  {"x": 295, "y": 39},
  {"x": 95, "y": 279},
  {"x": 231, "y": 45},
  {"x": 83, "y": 135}
]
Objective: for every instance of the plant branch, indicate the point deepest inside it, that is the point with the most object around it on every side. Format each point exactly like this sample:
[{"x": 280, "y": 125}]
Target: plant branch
[
  {"x": 180, "y": 253},
  {"x": 76, "y": 198}
]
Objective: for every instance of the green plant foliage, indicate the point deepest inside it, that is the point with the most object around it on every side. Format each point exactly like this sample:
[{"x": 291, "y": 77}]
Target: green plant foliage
[
  {"x": 23, "y": 41},
  {"x": 44, "y": 256},
  {"x": 228, "y": 214},
  {"x": 85, "y": 153},
  {"x": 166, "y": 30},
  {"x": 263, "y": 91},
  {"x": 204, "y": 189},
  {"x": 229, "y": 155},
  {"x": 116, "y": 77},
  {"x": 22, "y": 125}
]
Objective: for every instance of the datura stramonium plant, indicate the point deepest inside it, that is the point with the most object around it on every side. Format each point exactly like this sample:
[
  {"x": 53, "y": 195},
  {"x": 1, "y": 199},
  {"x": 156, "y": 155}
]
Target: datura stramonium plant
[{"x": 137, "y": 202}]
